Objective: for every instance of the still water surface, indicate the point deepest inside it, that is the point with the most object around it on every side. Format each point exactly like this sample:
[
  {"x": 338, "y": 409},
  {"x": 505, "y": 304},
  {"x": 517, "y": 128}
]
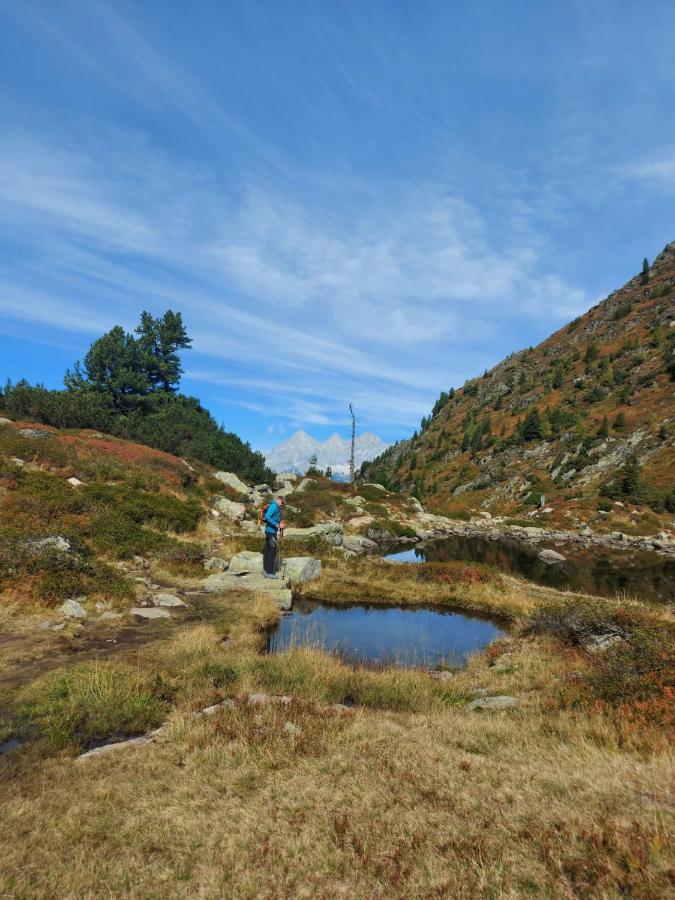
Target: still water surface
[
  {"x": 594, "y": 570},
  {"x": 381, "y": 635}
]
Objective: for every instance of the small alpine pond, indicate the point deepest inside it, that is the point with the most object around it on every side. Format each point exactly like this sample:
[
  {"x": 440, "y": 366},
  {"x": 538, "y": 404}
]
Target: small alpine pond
[
  {"x": 593, "y": 570},
  {"x": 382, "y": 635}
]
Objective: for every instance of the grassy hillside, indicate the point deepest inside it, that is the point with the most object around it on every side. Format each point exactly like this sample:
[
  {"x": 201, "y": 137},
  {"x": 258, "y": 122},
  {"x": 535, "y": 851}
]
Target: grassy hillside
[{"x": 586, "y": 418}]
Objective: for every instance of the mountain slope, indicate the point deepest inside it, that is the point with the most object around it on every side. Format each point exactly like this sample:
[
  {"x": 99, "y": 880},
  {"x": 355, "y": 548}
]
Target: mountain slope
[
  {"x": 294, "y": 455},
  {"x": 561, "y": 419}
]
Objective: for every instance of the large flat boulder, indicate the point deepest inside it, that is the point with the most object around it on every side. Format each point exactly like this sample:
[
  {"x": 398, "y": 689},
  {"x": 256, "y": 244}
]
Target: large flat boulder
[
  {"x": 298, "y": 569},
  {"x": 233, "y": 481},
  {"x": 164, "y": 599},
  {"x": 229, "y": 508},
  {"x": 550, "y": 557},
  {"x": 286, "y": 476},
  {"x": 330, "y": 532},
  {"x": 246, "y": 561}
]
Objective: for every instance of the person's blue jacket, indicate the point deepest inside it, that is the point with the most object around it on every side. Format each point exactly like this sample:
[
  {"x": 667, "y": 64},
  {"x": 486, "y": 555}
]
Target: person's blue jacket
[{"x": 272, "y": 518}]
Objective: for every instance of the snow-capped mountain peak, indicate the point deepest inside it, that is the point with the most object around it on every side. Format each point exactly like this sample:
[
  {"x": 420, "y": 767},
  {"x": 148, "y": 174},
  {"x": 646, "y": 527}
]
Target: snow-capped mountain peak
[{"x": 294, "y": 454}]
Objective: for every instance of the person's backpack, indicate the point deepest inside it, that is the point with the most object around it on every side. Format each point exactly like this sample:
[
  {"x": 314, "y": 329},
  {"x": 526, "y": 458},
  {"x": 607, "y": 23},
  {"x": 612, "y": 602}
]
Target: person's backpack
[{"x": 263, "y": 512}]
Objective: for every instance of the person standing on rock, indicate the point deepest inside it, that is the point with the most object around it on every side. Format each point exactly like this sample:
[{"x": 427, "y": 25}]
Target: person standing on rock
[{"x": 272, "y": 517}]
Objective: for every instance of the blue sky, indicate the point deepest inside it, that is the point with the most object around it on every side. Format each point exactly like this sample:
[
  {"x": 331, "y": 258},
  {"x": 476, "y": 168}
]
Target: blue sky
[{"x": 365, "y": 201}]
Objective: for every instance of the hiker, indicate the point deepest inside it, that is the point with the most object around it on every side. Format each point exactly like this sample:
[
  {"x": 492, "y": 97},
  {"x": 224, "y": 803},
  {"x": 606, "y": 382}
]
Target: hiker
[{"x": 271, "y": 516}]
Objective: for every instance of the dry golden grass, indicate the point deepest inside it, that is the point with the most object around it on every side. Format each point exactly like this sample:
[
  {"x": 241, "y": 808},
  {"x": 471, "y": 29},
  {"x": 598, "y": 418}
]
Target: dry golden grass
[
  {"x": 442, "y": 803},
  {"x": 405, "y": 795}
]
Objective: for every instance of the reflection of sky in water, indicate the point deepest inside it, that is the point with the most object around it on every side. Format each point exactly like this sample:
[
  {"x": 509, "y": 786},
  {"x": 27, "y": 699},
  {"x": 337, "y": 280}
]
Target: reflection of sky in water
[
  {"x": 596, "y": 570},
  {"x": 375, "y": 634}
]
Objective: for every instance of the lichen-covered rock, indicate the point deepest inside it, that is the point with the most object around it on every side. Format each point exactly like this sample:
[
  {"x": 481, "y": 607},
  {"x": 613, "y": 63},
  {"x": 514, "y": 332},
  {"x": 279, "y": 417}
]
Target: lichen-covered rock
[
  {"x": 246, "y": 561},
  {"x": 233, "y": 481},
  {"x": 229, "y": 508},
  {"x": 73, "y": 609},
  {"x": 299, "y": 569},
  {"x": 551, "y": 557},
  {"x": 167, "y": 600},
  {"x": 149, "y": 612},
  {"x": 358, "y": 544}
]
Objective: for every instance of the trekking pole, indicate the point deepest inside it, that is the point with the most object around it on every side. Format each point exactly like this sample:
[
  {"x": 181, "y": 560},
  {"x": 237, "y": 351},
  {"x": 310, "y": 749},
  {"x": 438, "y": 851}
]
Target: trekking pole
[{"x": 280, "y": 550}]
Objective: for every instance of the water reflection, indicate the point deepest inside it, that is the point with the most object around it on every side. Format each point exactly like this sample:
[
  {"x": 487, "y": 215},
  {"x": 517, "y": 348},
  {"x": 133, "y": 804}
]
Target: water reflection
[
  {"x": 595, "y": 570},
  {"x": 379, "y": 635}
]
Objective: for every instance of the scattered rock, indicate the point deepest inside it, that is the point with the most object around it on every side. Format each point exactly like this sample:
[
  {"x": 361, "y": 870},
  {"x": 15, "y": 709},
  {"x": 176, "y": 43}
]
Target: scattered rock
[
  {"x": 331, "y": 532},
  {"x": 378, "y": 487},
  {"x": 215, "y": 564},
  {"x": 141, "y": 562},
  {"x": 18, "y": 462},
  {"x": 503, "y": 702},
  {"x": 291, "y": 730},
  {"x": 229, "y": 508},
  {"x": 299, "y": 569},
  {"x": 56, "y": 542},
  {"x": 75, "y": 482},
  {"x": 601, "y": 642},
  {"x": 167, "y": 600},
  {"x": 262, "y": 699},
  {"x": 151, "y": 612},
  {"x": 550, "y": 556},
  {"x": 217, "y": 707},
  {"x": 358, "y": 544},
  {"x": 442, "y": 675},
  {"x": 355, "y": 501},
  {"x": 233, "y": 481},
  {"x": 119, "y": 745},
  {"x": 73, "y": 609},
  {"x": 4, "y": 421},
  {"x": 35, "y": 433}
]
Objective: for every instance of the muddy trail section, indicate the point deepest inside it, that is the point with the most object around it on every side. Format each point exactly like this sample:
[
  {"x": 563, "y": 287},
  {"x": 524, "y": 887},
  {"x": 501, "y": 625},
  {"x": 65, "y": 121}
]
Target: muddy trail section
[{"x": 29, "y": 653}]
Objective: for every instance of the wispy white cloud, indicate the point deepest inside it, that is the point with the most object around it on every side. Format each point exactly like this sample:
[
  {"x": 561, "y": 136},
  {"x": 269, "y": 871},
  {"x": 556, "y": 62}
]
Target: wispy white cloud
[
  {"x": 659, "y": 170},
  {"x": 324, "y": 300}
]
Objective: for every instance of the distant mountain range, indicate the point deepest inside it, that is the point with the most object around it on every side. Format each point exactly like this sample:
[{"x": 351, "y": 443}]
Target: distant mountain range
[{"x": 294, "y": 455}]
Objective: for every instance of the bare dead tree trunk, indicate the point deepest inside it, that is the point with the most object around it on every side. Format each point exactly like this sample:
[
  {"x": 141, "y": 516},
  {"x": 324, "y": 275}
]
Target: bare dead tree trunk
[{"x": 351, "y": 455}]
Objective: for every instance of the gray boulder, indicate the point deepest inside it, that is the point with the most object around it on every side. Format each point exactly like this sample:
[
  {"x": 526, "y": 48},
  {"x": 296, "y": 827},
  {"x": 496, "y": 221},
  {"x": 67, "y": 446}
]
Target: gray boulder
[
  {"x": 330, "y": 532},
  {"x": 229, "y": 508},
  {"x": 149, "y": 612},
  {"x": 220, "y": 581},
  {"x": 299, "y": 569},
  {"x": 304, "y": 484},
  {"x": 355, "y": 501},
  {"x": 357, "y": 544},
  {"x": 550, "y": 557},
  {"x": 246, "y": 561},
  {"x": 503, "y": 702},
  {"x": 56, "y": 542},
  {"x": 167, "y": 600},
  {"x": 35, "y": 433},
  {"x": 233, "y": 481},
  {"x": 73, "y": 609},
  {"x": 4, "y": 421},
  {"x": 286, "y": 476}
]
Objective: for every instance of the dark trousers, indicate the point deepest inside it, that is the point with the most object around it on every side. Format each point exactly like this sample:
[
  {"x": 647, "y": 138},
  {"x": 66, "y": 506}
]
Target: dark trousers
[{"x": 269, "y": 553}]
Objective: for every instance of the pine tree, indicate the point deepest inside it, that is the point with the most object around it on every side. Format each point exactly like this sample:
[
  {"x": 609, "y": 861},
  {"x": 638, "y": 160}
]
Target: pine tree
[
  {"x": 159, "y": 341},
  {"x": 620, "y": 421},
  {"x": 532, "y": 427},
  {"x": 558, "y": 378},
  {"x": 603, "y": 428},
  {"x": 113, "y": 365},
  {"x": 644, "y": 277}
]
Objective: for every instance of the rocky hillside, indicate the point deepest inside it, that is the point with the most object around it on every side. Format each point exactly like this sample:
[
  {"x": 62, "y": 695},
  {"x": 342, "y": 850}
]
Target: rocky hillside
[{"x": 581, "y": 425}]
